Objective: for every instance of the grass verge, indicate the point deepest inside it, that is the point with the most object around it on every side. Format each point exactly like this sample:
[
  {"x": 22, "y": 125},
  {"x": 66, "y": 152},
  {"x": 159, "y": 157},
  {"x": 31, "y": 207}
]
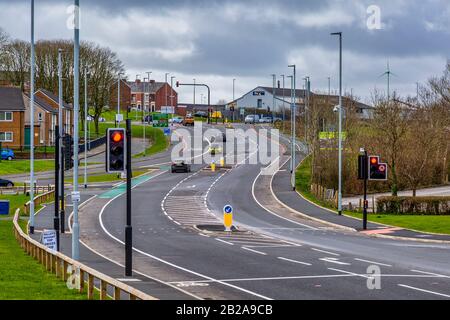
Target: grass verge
[
  {"x": 92, "y": 178},
  {"x": 424, "y": 223},
  {"x": 23, "y": 166}
]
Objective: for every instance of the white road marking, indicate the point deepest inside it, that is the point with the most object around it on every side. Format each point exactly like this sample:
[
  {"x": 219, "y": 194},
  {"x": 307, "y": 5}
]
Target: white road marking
[
  {"x": 128, "y": 280},
  {"x": 295, "y": 261},
  {"x": 373, "y": 262},
  {"x": 350, "y": 273},
  {"x": 172, "y": 264},
  {"x": 335, "y": 261},
  {"x": 226, "y": 242},
  {"x": 423, "y": 290},
  {"x": 254, "y": 251},
  {"x": 327, "y": 252},
  {"x": 430, "y": 273}
]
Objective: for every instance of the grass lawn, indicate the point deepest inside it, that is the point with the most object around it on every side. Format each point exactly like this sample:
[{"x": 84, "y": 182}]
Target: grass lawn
[
  {"x": 15, "y": 202},
  {"x": 23, "y": 166},
  {"x": 23, "y": 278},
  {"x": 430, "y": 223},
  {"x": 92, "y": 178}
]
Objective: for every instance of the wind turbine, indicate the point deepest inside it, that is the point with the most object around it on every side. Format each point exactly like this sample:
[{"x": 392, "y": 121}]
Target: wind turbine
[{"x": 388, "y": 73}]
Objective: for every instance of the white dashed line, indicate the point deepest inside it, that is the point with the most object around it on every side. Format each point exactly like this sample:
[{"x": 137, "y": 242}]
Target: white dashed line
[
  {"x": 295, "y": 261},
  {"x": 373, "y": 262},
  {"x": 327, "y": 252},
  {"x": 254, "y": 251}
]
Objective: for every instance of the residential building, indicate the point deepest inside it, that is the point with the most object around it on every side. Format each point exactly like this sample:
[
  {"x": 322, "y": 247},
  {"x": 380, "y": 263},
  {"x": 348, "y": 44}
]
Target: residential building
[
  {"x": 151, "y": 96},
  {"x": 125, "y": 96},
  {"x": 12, "y": 117}
]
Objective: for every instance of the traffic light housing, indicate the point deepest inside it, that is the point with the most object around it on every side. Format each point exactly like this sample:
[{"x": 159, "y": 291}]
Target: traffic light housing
[
  {"x": 68, "y": 152},
  {"x": 377, "y": 170},
  {"x": 115, "y": 150},
  {"x": 178, "y": 84},
  {"x": 363, "y": 169}
]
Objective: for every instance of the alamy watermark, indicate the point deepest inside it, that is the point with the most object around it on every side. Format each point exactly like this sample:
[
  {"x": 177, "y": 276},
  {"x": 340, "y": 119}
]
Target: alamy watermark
[
  {"x": 373, "y": 21},
  {"x": 374, "y": 277}
]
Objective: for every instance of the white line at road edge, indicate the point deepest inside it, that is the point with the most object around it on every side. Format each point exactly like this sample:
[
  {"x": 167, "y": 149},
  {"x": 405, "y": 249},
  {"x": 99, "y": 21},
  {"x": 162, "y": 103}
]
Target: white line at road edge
[
  {"x": 255, "y": 251},
  {"x": 171, "y": 264},
  {"x": 423, "y": 290}
]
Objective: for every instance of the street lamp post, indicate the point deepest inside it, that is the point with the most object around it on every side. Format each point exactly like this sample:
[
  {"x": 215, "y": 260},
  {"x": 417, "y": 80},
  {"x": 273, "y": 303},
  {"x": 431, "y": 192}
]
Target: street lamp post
[
  {"x": 340, "y": 123},
  {"x": 234, "y": 106},
  {"x": 86, "y": 76},
  {"x": 118, "y": 96},
  {"x": 294, "y": 79},
  {"x": 143, "y": 113},
  {"x": 166, "y": 86},
  {"x": 274, "y": 76},
  {"x": 60, "y": 195},
  {"x": 76, "y": 109},
  {"x": 171, "y": 90},
  {"x": 284, "y": 102},
  {"x": 31, "y": 221}
]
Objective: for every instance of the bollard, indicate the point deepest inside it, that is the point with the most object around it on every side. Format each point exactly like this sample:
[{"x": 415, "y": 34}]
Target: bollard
[
  {"x": 228, "y": 217},
  {"x": 222, "y": 161},
  {"x": 213, "y": 166}
]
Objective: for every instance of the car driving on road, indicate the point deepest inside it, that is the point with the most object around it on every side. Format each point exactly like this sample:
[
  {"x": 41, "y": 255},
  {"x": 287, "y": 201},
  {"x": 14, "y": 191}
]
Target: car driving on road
[
  {"x": 251, "y": 118},
  {"x": 6, "y": 183},
  {"x": 180, "y": 166}
]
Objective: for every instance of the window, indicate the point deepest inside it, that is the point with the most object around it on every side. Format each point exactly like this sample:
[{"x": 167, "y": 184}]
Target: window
[
  {"x": 259, "y": 103},
  {"x": 40, "y": 119},
  {"x": 6, "y": 116},
  {"x": 6, "y": 136}
]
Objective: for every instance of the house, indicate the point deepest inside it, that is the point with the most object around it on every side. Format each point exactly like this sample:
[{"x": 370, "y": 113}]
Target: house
[
  {"x": 12, "y": 117},
  {"x": 15, "y": 118},
  {"x": 125, "y": 96}
]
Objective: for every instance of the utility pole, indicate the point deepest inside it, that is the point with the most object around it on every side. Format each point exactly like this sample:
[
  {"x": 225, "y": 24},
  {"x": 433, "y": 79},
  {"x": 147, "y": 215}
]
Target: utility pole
[
  {"x": 234, "y": 106},
  {"x": 31, "y": 221},
  {"x": 294, "y": 79},
  {"x": 340, "y": 122},
  {"x": 86, "y": 76},
  {"x": 143, "y": 113},
  {"x": 56, "y": 221},
  {"x": 149, "y": 102},
  {"x": 284, "y": 101},
  {"x": 76, "y": 111},
  {"x": 166, "y": 87},
  {"x": 171, "y": 90},
  {"x": 274, "y": 77},
  {"x": 194, "y": 93},
  {"x": 118, "y": 97},
  {"x": 60, "y": 195}
]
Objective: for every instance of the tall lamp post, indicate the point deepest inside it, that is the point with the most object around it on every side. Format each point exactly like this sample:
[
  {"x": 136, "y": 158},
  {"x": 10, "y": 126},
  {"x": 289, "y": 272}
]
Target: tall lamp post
[
  {"x": 340, "y": 123},
  {"x": 234, "y": 106},
  {"x": 171, "y": 92},
  {"x": 76, "y": 111},
  {"x": 284, "y": 102},
  {"x": 32, "y": 122},
  {"x": 86, "y": 77},
  {"x": 118, "y": 96},
  {"x": 294, "y": 80},
  {"x": 274, "y": 78},
  {"x": 60, "y": 151}
]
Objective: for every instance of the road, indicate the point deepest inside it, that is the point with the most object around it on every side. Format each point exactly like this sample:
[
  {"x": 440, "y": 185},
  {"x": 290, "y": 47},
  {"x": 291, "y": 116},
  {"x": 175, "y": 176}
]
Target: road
[{"x": 274, "y": 255}]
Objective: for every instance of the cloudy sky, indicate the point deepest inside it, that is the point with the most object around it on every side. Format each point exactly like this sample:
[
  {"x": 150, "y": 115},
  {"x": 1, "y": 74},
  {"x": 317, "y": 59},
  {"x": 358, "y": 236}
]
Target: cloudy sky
[{"x": 215, "y": 41}]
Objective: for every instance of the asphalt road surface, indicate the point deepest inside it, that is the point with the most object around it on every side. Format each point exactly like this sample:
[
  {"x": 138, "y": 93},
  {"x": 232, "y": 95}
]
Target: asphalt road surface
[{"x": 177, "y": 239}]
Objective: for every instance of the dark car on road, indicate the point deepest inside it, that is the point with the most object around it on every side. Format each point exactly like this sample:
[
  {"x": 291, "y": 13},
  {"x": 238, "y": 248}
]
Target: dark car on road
[
  {"x": 180, "y": 166},
  {"x": 6, "y": 183},
  {"x": 201, "y": 114}
]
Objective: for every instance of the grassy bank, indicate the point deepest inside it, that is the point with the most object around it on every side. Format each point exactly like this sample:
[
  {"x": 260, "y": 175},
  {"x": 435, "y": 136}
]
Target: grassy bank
[
  {"x": 433, "y": 224},
  {"x": 23, "y": 166},
  {"x": 15, "y": 202}
]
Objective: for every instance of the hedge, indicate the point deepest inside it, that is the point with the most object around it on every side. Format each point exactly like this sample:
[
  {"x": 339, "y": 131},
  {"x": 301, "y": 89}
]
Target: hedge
[{"x": 414, "y": 205}]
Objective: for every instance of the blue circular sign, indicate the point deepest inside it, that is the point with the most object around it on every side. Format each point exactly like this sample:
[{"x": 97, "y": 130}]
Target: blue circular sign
[{"x": 228, "y": 209}]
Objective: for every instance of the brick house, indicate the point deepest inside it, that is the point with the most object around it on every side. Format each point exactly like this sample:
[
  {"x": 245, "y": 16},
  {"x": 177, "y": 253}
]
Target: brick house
[
  {"x": 125, "y": 96},
  {"x": 12, "y": 117},
  {"x": 151, "y": 96},
  {"x": 15, "y": 118}
]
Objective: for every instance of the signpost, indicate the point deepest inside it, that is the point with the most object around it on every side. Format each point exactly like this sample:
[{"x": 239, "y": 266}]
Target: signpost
[
  {"x": 48, "y": 239},
  {"x": 228, "y": 217}
]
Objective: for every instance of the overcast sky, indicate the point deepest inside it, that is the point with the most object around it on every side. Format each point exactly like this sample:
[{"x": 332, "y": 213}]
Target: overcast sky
[{"x": 215, "y": 41}]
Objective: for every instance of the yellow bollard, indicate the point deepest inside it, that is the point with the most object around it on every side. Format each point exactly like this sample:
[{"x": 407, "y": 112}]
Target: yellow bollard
[
  {"x": 213, "y": 166},
  {"x": 222, "y": 161},
  {"x": 228, "y": 217}
]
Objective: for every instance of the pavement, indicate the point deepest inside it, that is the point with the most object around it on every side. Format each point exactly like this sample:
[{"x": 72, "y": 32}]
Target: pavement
[{"x": 436, "y": 191}]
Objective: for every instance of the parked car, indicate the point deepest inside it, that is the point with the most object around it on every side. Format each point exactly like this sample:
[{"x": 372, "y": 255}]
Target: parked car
[
  {"x": 180, "y": 166},
  {"x": 201, "y": 114},
  {"x": 6, "y": 183},
  {"x": 251, "y": 118},
  {"x": 178, "y": 120},
  {"x": 265, "y": 120},
  {"x": 7, "y": 154}
]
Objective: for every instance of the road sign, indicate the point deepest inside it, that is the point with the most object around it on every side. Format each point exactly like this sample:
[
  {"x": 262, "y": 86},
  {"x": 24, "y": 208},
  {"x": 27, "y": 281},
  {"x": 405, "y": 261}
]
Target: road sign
[
  {"x": 167, "y": 110},
  {"x": 48, "y": 239},
  {"x": 167, "y": 131},
  {"x": 228, "y": 217},
  {"x": 119, "y": 117}
]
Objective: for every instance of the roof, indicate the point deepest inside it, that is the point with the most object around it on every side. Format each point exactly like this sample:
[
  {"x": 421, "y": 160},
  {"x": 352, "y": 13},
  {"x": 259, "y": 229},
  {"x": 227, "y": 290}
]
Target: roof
[
  {"x": 286, "y": 92},
  {"x": 54, "y": 98},
  {"x": 44, "y": 104},
  {"x": 11, "y": 99},
  {"x": 147, "y": 87}
]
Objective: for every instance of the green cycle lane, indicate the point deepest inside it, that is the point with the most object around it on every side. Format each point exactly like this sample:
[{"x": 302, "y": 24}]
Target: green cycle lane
[{"x": 122, "y": 188}]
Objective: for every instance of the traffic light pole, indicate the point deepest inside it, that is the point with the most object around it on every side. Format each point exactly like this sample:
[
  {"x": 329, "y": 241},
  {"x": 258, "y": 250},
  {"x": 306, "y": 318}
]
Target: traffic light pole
[
  {"x": 62, "y": 215},
  {"x": 128, "y": 227},
  {"x": 365, "y": 204},
  {"x": 57, "y": 165}
]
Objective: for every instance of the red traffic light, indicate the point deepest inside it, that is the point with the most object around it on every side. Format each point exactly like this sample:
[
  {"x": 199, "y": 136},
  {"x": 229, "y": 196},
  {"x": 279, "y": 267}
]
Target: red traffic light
[
  {"x": 117, "y": 136},
  {"x": 373, "y": 160}
]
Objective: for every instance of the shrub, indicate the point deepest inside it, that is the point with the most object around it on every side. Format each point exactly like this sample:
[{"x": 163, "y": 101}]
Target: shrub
[{"x": 414, "y": 205}]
